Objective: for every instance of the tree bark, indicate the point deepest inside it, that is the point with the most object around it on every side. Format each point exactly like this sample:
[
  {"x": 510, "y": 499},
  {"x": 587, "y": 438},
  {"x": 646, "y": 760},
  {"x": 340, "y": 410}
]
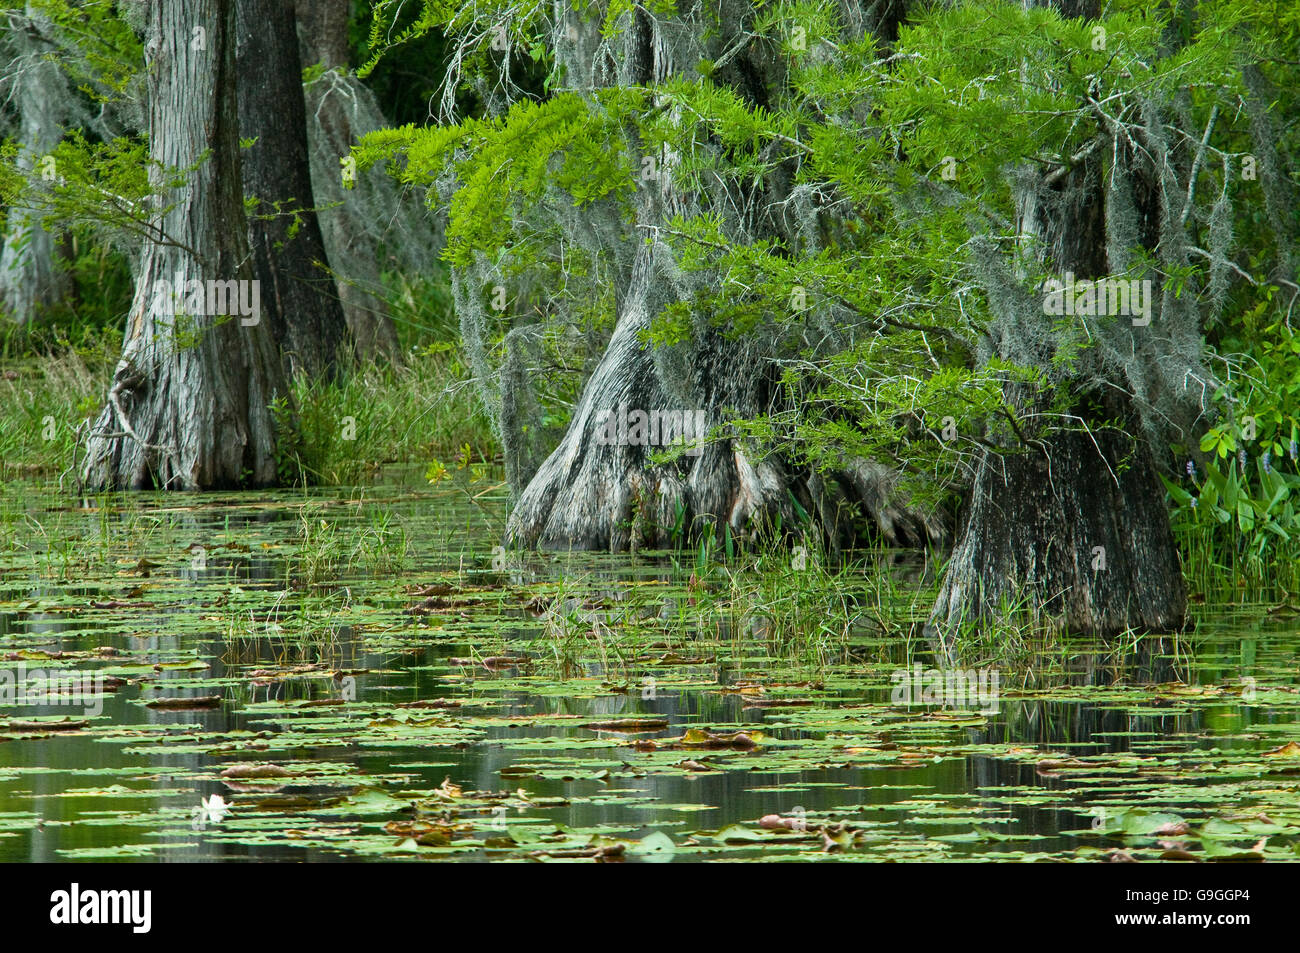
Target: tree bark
[
  {"x": 592, "y": 495},
  {"x": 1075, "y": 531},
  {"x": 589, "y": 494},
  {"x": 323, "y": 29},
  {"x": 31, "y": 277},
  {"x": 1077, "y": 535},
  {"x": 299, "y": 297},
  {"x": 339, "y": 111},
  {"x": 189, "y": 406}
]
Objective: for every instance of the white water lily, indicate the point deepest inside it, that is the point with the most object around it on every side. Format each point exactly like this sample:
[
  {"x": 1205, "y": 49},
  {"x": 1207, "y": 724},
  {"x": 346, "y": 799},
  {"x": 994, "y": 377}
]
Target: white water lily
[{"x": 212, "y": 809}]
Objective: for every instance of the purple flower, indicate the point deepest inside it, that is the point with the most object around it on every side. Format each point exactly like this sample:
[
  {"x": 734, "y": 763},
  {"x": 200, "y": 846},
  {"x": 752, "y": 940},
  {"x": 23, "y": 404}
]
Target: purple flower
[
  {"x": 1193, "y": 502},
  {"x": 1292, "y": 450},
  {"x": 1241, "y": 457},
  {"x": 1191, "y": 469},
  {"x": 1266, "y": 460}
]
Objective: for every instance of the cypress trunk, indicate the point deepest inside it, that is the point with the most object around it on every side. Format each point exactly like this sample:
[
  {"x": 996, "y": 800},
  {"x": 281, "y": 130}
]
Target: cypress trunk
[
  {"x": 595, "y": 493},
  {"x": 592, "y": 492},
  {"x": 1077, "y": 534},
  {"x": 31, "y": 278},
  {"x": 299, "y": 297},
  {"x": 189, "y": 406},
  {"x": 1076, "y": 530},
  {"x": 339, "y": 111}
]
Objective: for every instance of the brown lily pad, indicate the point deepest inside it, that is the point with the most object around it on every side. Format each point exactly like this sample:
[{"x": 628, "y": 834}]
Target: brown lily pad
[{"x": 177, "y": 704}]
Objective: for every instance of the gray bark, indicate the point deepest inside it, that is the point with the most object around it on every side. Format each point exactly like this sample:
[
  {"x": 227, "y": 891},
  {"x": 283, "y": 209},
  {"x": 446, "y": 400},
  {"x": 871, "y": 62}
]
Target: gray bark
[
  {"x": 31, "y": 279},
  {"x": 189, "y": 403},
  {"x": 591, "y": 495},
  {"x": 300, "y": 300},
  {"x": 335, "y": 104},
  {"x": 364, "y": 225},
  {"x": 323, "y": 30},
  {"x": 1074, "y": 531}
]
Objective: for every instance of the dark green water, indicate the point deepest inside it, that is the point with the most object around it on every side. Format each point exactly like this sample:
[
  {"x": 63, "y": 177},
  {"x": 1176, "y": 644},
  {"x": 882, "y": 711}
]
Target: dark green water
[{"x": 310, "y": 624}]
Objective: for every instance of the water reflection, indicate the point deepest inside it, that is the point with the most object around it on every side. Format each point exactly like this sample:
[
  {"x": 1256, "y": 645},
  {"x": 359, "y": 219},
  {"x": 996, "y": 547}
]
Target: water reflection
[{"x": 218, "y": 565}]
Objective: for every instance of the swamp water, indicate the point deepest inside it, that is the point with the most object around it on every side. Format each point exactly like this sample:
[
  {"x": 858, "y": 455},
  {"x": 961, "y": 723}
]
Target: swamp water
[{"x": 359, "y": 674}]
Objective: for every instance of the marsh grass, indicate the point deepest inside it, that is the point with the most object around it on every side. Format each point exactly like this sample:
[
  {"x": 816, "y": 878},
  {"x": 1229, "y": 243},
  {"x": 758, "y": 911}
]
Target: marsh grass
[
  {"x": 709, "y": 609},
  {"x": 588, "y": 622},
  {"x": 567, "y": 638},
  {"x": 105, "y": 535},
  {"x": 381, "y": 415},
  {"x": 1016, "y": 638},
  {"x": 293, "y": 629},
  {"x": 45, "y": 401},
  {"x": 347, "y": 431},
  {"x": 800, "y": 609},
  {"x": 1220, "y": 568},
  {"x": 326, "y": 549},
  {"x": 794, "y": 605}
]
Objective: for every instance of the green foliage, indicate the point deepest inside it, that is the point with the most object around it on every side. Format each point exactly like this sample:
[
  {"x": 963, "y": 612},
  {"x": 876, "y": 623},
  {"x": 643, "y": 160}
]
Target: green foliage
[
  {"x": 1236, "y": 509},
  {"x": 901, "y": 305},
  {"x": 46, "y": 400},
  {"x": 382, "y": 416},
  {"x": 91, "y": 317},
  {"x": 102, "y": 188},
  {"x": 1240, "y": 523},
  {"x": 99, "y": 50},
  {"x": 505, "y": 165}
]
